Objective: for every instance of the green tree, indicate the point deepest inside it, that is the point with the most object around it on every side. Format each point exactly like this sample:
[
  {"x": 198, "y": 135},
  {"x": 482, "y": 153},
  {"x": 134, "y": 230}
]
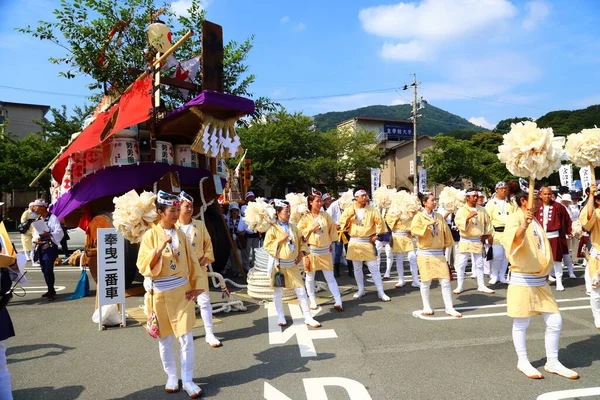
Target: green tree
[
  {"x": 504, "y": 125},
  {"x": 488, "y": 141},
  {"x": 58, "y": 130},
  {"x": 82, "y": 28},
  {"x": 449, "y": 160},
  {"x": 283, "y": 148},
  {"x": 347, "y": 159}
]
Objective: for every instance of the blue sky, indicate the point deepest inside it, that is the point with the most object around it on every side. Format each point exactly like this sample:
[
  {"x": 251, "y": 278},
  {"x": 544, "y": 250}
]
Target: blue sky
[{"x": 484, "y": 60}]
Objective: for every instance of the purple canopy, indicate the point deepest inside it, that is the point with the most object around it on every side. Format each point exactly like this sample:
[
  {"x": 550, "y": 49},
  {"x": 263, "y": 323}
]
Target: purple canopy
[
  {"x": 221, "y": 102},
  {"x": 115, "y": 180}
]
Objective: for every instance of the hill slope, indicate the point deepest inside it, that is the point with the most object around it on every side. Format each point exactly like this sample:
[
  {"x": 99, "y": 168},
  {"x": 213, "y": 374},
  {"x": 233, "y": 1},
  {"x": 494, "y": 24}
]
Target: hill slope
[
  {"x": 434, "y": 120},
  {"x": 565, "y": 122}
]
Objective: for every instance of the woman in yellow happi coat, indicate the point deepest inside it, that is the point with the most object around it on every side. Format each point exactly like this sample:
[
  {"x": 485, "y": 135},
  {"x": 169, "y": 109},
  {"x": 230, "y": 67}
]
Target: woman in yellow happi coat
[
  {"x": 433, "y": 236},
  {"x": 283, "y": 242},
  {"x": 196, "y": 232},
  {"x": 403, "y": 245},
  {"x": 174, "y": 280},
  {"x": 363, "y": 222},
  {"x": 590, "y": 220},
  {"x": 530, "y": 256},
  {"x": 319, "y": 232}
]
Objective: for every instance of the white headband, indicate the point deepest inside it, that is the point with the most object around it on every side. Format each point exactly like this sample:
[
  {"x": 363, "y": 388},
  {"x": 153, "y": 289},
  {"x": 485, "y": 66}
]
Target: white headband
[
  {"x": 360, "y": 192},
  {"x": 183, "y": 196},
  {"x": 281, "y": 203},
  {"x": 472, "y": 193},
  {"x": 40, "y": 203},
  {"x": 500, "y": 184},
  {"x": 167, "y": 199}
]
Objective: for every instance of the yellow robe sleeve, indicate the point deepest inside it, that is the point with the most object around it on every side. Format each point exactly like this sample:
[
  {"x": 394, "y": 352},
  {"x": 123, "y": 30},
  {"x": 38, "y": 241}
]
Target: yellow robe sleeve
[
  {"x": 333, "y": 236},
  {"x": 448, "y": 239},
  {"x": 379, "y": 222},
  {"x": 207, "y": 245},
  {"x": 345, "y": 218},
  {"x": 418, "y": 226},
  {"x": 461, "y": 218},
  {"x": 489, "y": 228},
  {"x": 302, "y": 245},
  {"x": 271, "y": 241},
  {"x": 391, "y": 220},
  {"x": 148, "y": 249},
  {"x": 586, "y": 223},
  {"x": 195, "y": 277},
  {"x": 304, "y": 225},
  {"x": 510, "y": 230}
]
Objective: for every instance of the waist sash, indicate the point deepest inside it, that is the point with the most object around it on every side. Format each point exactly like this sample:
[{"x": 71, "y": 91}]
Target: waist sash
[
  {"x": 362, "y": 240},
  {"x": 499, "y": 228},
  {"x": 319, "y": 250},
  {"x": 470, "y": 240},
  {"x": 164, "y": 284},
  {"x": 518, "y": 279},
  {"x": 400, "y": 233},
  {"x": 430, "y": 252},
  {"x": 287, "y": 264},
  {"x": 552, "y": 234}
]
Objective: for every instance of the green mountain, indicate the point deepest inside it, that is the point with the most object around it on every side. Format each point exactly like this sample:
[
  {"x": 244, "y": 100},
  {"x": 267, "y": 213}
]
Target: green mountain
[
  {"x": 434, "y": 120},
  {"x": 564, "y": 122}
]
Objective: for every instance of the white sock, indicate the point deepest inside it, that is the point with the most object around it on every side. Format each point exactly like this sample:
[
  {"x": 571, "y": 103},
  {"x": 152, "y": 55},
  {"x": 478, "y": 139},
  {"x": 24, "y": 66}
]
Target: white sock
[
  {"x": 167, "y": 355},
  {"x": 414, "y": 270},
  {"x": 278, "y": 300},
  {"x": 359, "y": 276},
  {"x": 206, "y": 312},
  {"x": 425, "y": 289},
  {"x": 595, "y": 304},
  {"x": 447, "y": 296},
  {"x": 186, "y": 343},
  {"x": 400, "y": 267},
  {"x": 310, "y": 287},
  {"x": 374, "y": 269},
  {"x": 333, "y": 287}
]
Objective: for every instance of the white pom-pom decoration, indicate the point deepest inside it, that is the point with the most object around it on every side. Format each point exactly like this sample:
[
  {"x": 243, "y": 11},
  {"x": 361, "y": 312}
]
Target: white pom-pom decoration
[
  {"x": 134, "y": 214},
  {"x": 451, "y": 199},
  {"x": 528, "y": 151},
  {"x": 259, "y": 215},
  {"x": 583, "y": 148},
  {"x": 404, "y": 205},
  {"x": 298, "y": 206},
  {"x": 577, "y": 229},
  {"x": 345, "y": 200},
  {"x": 383, "y": 197}
]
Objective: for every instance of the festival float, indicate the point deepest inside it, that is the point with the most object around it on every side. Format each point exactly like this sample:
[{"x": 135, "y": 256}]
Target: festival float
[{"x": 133, "y": 145}]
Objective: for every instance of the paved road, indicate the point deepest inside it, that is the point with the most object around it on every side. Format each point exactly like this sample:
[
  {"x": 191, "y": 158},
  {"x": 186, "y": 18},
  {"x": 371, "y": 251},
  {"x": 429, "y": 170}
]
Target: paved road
[{"x": 377, "y": 350}]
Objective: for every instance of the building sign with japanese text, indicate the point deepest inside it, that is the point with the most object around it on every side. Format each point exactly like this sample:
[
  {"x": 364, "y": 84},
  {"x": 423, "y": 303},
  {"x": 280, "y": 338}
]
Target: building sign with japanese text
[
  {"x": 111, "y": 267},
  {"x": 398, "y": 130}
]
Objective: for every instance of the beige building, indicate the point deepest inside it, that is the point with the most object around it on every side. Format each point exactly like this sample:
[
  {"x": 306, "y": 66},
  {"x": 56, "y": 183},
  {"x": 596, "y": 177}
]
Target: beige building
[
  {"x": 395, "y": 137},
  {"x": 21, "y": 117}
]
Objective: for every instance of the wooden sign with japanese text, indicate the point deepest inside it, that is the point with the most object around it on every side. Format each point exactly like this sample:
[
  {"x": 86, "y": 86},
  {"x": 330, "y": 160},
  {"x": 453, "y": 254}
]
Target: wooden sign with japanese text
[{"x": 111, "y": 267}]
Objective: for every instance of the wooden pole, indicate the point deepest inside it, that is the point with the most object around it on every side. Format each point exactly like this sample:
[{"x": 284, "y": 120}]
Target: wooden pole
[
  {"x": 593, "y": 179},
  {"x": 530, "y": 197}
]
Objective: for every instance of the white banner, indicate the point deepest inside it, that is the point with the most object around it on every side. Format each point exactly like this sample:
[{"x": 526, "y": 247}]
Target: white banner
[
  {"x": 111, "y": 267},
  {"x": 586, "y": 177},
  {"x": 411, "y": 167},
  {"x": 423, "y": 180},
  {"x": 566, "y": 175},
  {"x": 375, "y": 179}
]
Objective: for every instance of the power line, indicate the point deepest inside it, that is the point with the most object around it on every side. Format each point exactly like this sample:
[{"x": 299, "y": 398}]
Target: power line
[
  {"x": 482, "y": 99},
  {"x": 337, "y": 95},
  {"x": 42, "y": 91}
]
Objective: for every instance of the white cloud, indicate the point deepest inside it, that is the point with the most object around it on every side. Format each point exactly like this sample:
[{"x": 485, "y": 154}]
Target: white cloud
[
  {"x": 481, "y": 121},
  {"x": 537, "y": 11},
  {"x": 180, "y": 7},
  {"x": 300, "y": 27},
  {"x": 284, "y": 20},
  {"x": 397, "y": 102},
  {"x": 411, "y": 51}
]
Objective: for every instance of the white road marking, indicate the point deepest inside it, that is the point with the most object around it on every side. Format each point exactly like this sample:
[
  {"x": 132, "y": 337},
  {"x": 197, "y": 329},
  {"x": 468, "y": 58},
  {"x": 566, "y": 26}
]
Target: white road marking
[
  {"x": 315, "y": 389},
  {"x": 42, "y": 289},
  {"x": 441, "y": 311},
  {"x": 304, "y": 336},
  {"x": 570, "y": 394}
]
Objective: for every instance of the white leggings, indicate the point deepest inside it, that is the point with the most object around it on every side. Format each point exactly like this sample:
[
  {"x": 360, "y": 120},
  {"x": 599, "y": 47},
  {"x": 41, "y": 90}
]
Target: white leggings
[
  {"x": 302, "y": 300},
  {"x": 412, "y": 260},
  {"x": 331, "y": 282},
  {"x": 5, "y": 388},
  {"x": 375, "y": 274},
  {"x": 389, "y": 259},
  {"x": 519, "y": 333},
  {"x": 206, "y": 312},
  {"x": 595, "y": 303},
  {"x": 167, "y": 356}
]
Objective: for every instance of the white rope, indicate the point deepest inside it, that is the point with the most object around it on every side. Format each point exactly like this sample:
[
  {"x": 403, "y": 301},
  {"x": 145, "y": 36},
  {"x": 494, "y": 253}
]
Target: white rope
[{"x": 204, "y": 205}]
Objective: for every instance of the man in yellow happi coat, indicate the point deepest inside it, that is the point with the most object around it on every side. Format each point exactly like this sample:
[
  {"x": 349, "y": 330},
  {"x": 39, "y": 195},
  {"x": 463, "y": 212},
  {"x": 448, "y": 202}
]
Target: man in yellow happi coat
[
  {"x": 433, "y": 236},
  {"x": 174, "y": 280},
  {"x": 403, "y": 246},
  {"x": 475, "y": 227},
  {"x": 530, "y": 256},
  {"x": 590, "y": 220},
  {"x": 286, "y": 248},
  {"x": 196, "y": 232},
  {"x": 499, "y": 209},
  {"x": 363, "y": 222}
]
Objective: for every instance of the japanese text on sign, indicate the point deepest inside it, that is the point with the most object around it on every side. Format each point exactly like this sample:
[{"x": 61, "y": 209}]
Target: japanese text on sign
[{"x": 111, "y": 267}]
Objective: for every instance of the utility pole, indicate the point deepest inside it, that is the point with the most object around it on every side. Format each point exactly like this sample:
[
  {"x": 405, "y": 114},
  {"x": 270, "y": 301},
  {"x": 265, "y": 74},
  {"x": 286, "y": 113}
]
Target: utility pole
[{"x": 414, "y": 120}]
